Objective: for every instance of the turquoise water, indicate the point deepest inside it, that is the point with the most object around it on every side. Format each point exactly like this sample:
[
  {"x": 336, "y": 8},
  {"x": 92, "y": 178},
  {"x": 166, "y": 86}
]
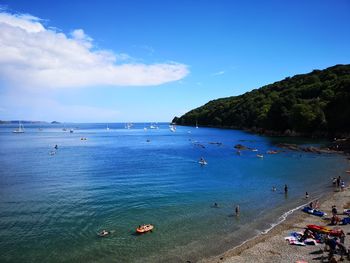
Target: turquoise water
[{"x": 52, "y": 206}]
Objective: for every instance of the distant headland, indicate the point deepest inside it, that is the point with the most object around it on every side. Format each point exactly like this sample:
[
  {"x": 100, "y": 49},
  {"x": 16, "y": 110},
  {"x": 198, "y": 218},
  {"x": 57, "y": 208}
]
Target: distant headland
[
  {"x": 22, "y": 121},
  {"x": 315, "y": 104}
]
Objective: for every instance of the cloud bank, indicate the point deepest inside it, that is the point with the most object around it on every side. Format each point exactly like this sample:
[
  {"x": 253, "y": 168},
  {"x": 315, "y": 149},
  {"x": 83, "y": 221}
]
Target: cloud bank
[{"x": 35, "y": 56}]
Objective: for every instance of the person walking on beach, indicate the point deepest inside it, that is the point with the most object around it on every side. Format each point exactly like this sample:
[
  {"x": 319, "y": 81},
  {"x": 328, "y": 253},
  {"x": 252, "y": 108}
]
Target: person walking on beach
[
  {"x": 334, "y": 181},
  {"x": 237, "y": 210},
  {"x": 338, "y": 181},
  {"x": 342, "y": 185}
]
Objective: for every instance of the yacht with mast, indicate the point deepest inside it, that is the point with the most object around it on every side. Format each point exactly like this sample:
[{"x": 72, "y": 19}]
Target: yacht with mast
[{"x": 20, "y": 128}]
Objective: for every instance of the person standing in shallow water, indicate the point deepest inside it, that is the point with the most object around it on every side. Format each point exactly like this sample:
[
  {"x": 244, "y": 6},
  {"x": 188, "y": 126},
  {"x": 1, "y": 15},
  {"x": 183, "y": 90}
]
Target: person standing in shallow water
[
  {"x": 237, "y": 210},
  {"x": 285, "y": 189}
]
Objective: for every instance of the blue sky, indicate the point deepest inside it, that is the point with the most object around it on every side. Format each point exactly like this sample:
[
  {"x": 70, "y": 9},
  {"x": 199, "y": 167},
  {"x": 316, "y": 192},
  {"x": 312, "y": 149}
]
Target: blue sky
[{"x": 186, "y": 53}]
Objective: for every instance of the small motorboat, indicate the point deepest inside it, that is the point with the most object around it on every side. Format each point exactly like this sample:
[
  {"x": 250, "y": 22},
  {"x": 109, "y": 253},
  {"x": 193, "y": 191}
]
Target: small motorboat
[
  {"x": 202, "y": 162},
  {"x": 103, "y": 233},
  {"x": 348, "y": 171},
  {"x": 260, "y": 156},
  {"x": 272, "y": 152},
  {"x": 144, "y": 229}
]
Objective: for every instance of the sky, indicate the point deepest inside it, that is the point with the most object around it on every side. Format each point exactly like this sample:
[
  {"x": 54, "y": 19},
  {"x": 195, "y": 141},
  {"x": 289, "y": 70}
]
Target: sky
[{"x": 138, "y": 61}]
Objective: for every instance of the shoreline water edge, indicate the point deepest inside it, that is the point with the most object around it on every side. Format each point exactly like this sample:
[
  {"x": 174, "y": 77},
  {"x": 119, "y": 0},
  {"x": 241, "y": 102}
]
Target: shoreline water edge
[{"x": 270, "y": 245}]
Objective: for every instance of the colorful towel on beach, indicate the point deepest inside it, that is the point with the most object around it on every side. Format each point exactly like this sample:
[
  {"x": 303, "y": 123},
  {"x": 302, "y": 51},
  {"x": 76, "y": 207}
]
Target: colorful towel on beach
[{"x": 294, "y": 241}]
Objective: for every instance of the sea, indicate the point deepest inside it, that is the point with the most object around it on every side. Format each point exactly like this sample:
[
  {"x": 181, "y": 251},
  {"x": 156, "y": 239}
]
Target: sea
[{"x": 54, "y": 202}]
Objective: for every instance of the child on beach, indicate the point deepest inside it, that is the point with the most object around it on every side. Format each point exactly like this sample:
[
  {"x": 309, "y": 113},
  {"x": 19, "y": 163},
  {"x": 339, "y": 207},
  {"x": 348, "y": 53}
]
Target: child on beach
[{"x": 342, "y": 185}]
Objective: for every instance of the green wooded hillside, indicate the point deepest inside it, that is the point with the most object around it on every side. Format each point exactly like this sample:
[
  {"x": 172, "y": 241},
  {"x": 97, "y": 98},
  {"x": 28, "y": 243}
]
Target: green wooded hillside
[{"x": 315, "y": 102}]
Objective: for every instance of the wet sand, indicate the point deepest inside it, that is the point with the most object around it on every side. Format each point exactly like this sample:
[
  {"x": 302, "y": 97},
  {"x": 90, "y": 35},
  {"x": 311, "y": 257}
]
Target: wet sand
[{"x": 272, "y": 247}]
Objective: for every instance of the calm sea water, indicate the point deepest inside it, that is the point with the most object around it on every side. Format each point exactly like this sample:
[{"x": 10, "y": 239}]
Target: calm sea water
[{"x": 52, "y": 206}]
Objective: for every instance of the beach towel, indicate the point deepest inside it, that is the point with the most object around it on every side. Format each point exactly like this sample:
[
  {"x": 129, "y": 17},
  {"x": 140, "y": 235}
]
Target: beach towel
[
  {"x": 294, "y": 241},
  {"x": 345, "y": 220},
  {"x": 310, "y": 241}
]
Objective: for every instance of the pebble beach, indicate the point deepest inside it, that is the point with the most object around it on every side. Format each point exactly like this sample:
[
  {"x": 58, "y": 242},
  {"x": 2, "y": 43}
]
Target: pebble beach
[{"x": 272, "y": 247}]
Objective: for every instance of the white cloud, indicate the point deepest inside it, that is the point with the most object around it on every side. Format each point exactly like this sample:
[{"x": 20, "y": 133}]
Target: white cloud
[
  {"x": 218, "y": 73},
  {"x": 34, "y": 56}
]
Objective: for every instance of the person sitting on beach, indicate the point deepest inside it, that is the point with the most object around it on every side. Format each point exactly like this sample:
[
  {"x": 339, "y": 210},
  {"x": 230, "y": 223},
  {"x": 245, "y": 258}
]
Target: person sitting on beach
[
  {"x": 317, "y": 204},
  {"x": 311, "y": 205},
  {"x": 307, "y": 234},
  {"x": 335, "y": 220},
  {"x": 334, "y": 210}
]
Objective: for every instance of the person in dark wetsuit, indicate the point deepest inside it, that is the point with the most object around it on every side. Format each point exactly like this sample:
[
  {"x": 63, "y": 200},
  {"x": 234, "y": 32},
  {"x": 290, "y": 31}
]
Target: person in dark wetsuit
[
  {"x": 237, "y": 210},
  {"x": 285, "y": 188}
]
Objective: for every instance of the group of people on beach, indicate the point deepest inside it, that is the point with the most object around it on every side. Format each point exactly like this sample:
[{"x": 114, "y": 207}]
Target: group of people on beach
[{"x": 339, "y": 183}]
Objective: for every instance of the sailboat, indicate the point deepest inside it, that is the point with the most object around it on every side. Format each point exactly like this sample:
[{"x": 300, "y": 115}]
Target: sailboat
[
  {"x": 107, "y": 128},
  {"x": 20, "y": 128},
  {"x": 196, "y": 125}
]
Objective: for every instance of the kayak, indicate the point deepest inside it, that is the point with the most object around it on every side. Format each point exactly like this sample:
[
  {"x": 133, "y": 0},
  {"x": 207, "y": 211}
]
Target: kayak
[
  {"x": 314, "y": 212},
  {"x": 144, "y": 228},
  {"x": 320, "y": 229}
]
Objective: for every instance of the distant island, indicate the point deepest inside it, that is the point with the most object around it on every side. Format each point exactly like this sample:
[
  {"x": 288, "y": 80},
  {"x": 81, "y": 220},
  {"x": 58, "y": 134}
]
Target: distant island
[
  {"x": 22, "y": 121},
  {"x": 313, "y": 104}
]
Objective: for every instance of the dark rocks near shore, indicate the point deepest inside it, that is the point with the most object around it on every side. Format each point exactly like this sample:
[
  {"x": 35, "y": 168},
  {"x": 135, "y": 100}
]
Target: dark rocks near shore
[
  {"x": 241, "y": 147},
  {"x": 309, "y": 149},
  {"x": 341, "y": 145}
]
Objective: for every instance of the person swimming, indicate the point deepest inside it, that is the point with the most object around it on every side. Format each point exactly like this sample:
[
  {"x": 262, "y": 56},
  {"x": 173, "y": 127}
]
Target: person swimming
[{"x": 104, "y": 233}]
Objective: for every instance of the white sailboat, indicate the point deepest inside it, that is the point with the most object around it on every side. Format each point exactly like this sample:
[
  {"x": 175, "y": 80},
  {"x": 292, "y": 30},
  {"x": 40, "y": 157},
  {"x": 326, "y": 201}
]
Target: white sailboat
[
  {"x": 107, "y": 127},
  {"x": 20, "y": 128},
  {"x": 172, "y": 128},
  {"x": 196, "y": 125}
]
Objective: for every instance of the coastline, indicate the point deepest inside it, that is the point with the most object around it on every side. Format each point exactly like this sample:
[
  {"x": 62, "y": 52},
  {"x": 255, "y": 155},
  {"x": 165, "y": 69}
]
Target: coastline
[{"x": 271, "y": 246}]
